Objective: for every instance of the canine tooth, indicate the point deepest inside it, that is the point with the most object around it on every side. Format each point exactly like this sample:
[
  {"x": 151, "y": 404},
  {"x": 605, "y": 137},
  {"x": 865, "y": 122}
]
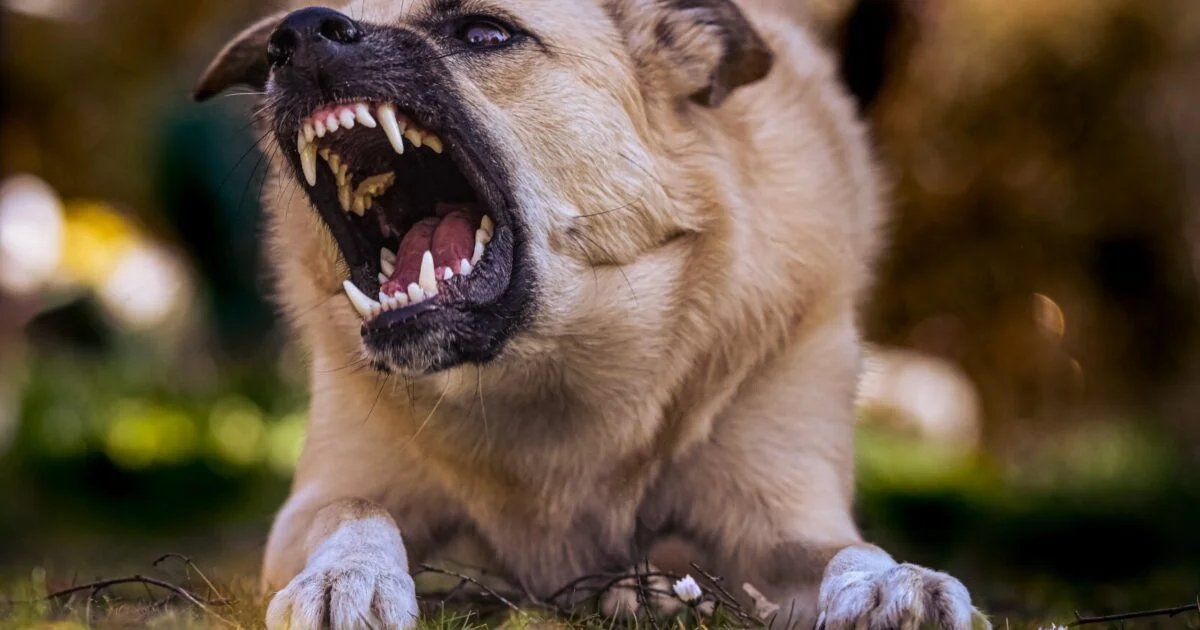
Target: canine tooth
[
  {"x": 388, "y": 255},
  {"x": 433, "y": 142},
  {"x": 386, "y": 266},
  {"x": 481, "y": 236},
  {"x": 309, "y": 132},
  {"x": 427, "y": 279},
  {"x": 308, "y": 163},
  {"x": 478, "y": 253},
  {"x": 447, "y": 274},
  {"x": 391, "y": 127},
  {"x": 363, "y": 114},
  {"x": 383, "y": 278},
  {"x": 346, "y": 117},
  {"x": 319, "y": 127},
  {"x": 414, "y": 136},
  {"x": 363, "y": 304},
  {"x": 301, "y": 142},
  {"x": 465, "y": 268},
  {"x": 344, "y": 199},
  {"x": 415, "y": 294},
  {"x": 487, "y": 226},
  {"x": 331, "y": 122}
]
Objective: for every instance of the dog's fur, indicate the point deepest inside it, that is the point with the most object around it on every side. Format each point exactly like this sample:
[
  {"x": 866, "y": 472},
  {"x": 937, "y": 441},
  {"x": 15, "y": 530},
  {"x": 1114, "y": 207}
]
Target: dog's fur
[{"x": 700, "y": 236}]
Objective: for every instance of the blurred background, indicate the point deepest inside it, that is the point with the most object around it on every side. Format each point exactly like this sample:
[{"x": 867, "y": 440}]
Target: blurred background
[{"x": 1030, "y": 417}]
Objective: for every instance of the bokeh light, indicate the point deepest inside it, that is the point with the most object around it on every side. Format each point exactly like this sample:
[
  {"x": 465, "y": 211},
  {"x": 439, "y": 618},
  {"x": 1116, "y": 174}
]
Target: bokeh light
[{"x": 31, "y": 233}]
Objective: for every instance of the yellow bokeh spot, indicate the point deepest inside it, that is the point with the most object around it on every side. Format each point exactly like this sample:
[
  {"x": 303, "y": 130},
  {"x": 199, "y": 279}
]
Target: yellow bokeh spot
[
  {"x": 285, "y": 440},
  {"x": 236, "y": 431},
  {"x": 143, "y": 434},
  {"x": 96, "y": 236}
]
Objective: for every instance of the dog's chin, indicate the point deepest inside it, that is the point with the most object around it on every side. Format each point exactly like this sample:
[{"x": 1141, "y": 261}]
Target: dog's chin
[{"x": 426, "y": 226}]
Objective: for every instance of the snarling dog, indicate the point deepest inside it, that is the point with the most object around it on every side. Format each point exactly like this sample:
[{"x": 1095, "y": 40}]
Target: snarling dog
[{"x": 578, "y": 279}]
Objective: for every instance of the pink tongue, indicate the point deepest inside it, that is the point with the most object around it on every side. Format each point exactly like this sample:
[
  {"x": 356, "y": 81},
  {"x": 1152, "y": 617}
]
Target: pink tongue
[
  {"x": 453, "y": 240},
  {"x": 450, "y": 237}
]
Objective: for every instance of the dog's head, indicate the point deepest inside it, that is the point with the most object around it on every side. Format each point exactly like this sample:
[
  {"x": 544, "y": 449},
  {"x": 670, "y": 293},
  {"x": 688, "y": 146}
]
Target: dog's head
[{"x": 472, "y": 160}]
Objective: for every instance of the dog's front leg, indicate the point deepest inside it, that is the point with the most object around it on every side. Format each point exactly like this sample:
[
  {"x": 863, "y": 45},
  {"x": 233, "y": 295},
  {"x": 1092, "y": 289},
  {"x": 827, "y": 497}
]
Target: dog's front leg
[{"x": 355, "y": 574}]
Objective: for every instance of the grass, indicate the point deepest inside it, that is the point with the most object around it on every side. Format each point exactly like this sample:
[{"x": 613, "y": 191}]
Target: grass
[{"x": 1107, "y": 525}]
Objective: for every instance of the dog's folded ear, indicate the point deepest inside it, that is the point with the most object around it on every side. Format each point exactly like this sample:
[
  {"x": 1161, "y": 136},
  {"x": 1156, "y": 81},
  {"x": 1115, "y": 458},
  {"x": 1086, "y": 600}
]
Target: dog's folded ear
[
  {"x": 703, "y": 49},
  {"x": 243, "y": 61}
]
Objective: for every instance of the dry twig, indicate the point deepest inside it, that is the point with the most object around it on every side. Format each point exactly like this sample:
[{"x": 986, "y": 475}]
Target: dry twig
[
  {"x": 425, "y": 568},
  {"x": 96, "y": 587},
  {"x": 1141, "y": 614}
]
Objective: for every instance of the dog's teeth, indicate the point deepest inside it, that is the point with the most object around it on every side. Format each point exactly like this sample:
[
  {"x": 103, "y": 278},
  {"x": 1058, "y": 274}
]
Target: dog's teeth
[
  {"x": 386, "y": 266},
  {"x": 376, "y": 185},
  {"x": 363, "y": 304},
  {"x": 363, "y": 114},
  {"x": 414, "y": 136},
  {"x": 383, "y": 278},
  {"x": 482, "y": 236},
  {"x": 360, "y": 204},
  {"x": 415, "y": 294},
  {"x": 391, "y": 127},
  {"x": 447, "y": 274},
  {"x": 344, "y": 196},
  {"x": 433, "y": 142},
  {"x": 331, "y": 123},
  {"x": 477, "y": 254},
  {"x": 309, "y": 132},
  {"x": 339, "y": 170},
  {"x": 487, "y": 226},
  {"x": 401, "y": 298},
  {"x": 427, "y": 279},
  {"x": 319, "y": 128},
  {"x": 346, "y": 118},
  {"x": 465, "y": 268},
  {"x": 388, "y": 255},
  {"x": 308, "y": 163}
]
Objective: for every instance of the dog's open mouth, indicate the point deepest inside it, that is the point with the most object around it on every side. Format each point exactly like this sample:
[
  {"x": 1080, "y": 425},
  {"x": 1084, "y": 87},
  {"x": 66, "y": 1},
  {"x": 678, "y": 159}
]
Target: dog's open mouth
[{"x": 412, "y": 211}]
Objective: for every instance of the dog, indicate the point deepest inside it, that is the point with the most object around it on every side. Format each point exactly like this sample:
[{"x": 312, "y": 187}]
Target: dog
[{"x": 578, "y": 280}]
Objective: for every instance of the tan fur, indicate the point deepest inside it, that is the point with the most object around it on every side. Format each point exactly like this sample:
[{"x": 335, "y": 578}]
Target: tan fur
[{"x": 694, "y": 355}]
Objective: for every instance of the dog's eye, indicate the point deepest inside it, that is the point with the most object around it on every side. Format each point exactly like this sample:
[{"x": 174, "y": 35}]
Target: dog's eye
[{"x": 483, "y": 33}]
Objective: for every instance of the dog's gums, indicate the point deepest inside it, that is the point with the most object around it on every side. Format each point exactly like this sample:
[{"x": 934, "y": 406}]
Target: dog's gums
[{"x": 430, "y": 235}]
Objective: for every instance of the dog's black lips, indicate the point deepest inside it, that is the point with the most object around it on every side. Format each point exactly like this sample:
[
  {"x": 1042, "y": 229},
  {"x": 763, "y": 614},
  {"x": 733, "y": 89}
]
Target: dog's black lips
[{"x": 472, "y": 316}]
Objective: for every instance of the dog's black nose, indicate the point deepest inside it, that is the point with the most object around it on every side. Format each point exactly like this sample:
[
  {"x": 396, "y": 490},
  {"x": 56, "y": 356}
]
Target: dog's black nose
[{"x": 312, "y": 27}]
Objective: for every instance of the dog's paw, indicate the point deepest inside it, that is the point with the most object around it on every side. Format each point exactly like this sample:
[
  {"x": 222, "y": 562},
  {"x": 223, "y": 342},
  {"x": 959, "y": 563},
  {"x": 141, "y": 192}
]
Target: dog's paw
[
  {"x": 351, "y": 583},
  {"x": 904, "y": 596}
]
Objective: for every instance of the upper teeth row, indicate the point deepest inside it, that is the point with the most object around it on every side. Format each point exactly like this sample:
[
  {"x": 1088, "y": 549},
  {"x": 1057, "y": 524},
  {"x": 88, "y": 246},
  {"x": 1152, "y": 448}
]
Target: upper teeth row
[
  {"x": 395, "y": 126},
  {"x": 426, "y": 285}
]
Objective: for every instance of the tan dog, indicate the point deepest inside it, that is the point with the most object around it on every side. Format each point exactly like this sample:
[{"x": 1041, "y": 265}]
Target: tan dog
[{"x": 578, "y": 279}]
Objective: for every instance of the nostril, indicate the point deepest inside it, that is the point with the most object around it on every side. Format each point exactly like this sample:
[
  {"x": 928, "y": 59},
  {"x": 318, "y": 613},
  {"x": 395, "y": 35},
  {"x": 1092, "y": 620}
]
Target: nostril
[
  {"x": 341, "y": 29},
  {"x": 281, "y": 46}
]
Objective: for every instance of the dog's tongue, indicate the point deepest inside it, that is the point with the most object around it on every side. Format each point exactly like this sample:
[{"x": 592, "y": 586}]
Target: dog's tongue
[{"x": 451, "y": 238}]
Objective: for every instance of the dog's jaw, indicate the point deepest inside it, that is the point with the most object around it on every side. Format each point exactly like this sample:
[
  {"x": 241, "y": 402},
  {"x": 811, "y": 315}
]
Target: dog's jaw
[{"x": 416, "y": 198}]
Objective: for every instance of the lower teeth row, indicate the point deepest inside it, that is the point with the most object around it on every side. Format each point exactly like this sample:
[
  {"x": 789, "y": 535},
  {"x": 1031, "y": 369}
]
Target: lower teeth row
[{"x": 416, "y": 292}]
